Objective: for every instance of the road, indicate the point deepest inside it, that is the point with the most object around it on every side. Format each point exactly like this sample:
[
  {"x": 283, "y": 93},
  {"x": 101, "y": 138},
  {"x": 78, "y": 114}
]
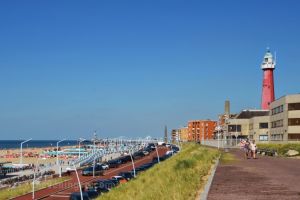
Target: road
[{"x": 62, "y": 191}]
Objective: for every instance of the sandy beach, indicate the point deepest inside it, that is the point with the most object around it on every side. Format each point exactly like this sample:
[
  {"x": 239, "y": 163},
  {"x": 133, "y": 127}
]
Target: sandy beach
[{"x": 30, "y": 155}]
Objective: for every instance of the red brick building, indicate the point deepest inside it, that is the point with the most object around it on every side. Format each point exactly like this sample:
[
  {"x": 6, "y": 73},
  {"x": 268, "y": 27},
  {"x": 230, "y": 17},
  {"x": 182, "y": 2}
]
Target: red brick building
[{"x": 201, "y": 129}]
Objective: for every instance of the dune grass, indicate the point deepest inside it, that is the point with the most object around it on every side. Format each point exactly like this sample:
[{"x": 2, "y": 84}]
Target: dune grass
[
  {"x": 281, "y": 149},
  {"x": 25, "y": 188},
  {"x": 227, "y": 158},
  {"x": 179, "y": 178}
]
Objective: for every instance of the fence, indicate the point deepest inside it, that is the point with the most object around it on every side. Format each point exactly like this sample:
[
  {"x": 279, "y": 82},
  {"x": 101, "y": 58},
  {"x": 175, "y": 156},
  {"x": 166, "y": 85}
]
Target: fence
[{"x": 222, "y": 143}]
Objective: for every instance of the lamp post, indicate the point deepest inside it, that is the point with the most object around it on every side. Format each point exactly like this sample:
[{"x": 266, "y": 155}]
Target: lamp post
[
  {"x": 33, "y": 181},
  {"x": 21, "y": 150},
  {"x": 34, "y": 177},
  {"x": 94, "y": 163},
  {"x": 79, "y": 184},
  {"x": 133, "y": 167},
  {"x": 157, "y": 153},
  {"x": 59, "y": 168}
]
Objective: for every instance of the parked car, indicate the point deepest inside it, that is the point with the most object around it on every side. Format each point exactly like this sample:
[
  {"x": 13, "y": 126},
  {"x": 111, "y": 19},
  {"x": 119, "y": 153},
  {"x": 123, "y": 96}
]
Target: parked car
[
  {"x": 147, "y": 165},
  {"x": 146, "y": 153},
  {"x": 169, "y": 152},
  {"x": 121, "y": 179},
  {"x": 137, "y": 171},
  {"x": 168, "y": 145},
  {"x": 93, "y": 194},
  {"x": 175, "y": 148},
  {"x": 151, "y": 145},
  {"x": 104, "y": 166},
  {"x": 149, "y": 149},
  {"x": 125, "y": 159},
  {"x": 77, "y": 196},
  {"x": 114, "y": 163},
  {"x": 115, "y": 181},
  {"x": 103, "y": 185},
  {"x": 89, "y": 171},
  {"x": 126, "y": 175},
  {"x": 138, "y": 155}
]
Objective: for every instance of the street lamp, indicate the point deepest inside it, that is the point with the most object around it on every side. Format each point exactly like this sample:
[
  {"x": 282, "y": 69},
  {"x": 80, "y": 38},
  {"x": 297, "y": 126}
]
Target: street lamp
[
  {"x": 133, "y": 167},
  {"x": 33, "y": 181},
  {"x": 21, "y": 150},
  {"x": 79, "y": 184},
  {"x": 34, "y": 176},
  {"x": 59, "y": 168},
  {"x": 157, "y": 153}
]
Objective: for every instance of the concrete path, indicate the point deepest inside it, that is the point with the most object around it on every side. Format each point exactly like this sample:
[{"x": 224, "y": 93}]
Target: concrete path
[{"x": 256, "y": 179}]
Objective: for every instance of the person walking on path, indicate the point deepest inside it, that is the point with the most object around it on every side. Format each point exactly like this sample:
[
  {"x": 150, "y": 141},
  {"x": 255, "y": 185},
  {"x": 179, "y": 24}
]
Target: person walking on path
[
  {"x": 245, "y": 148},
  {"x": 253, "y": 149}
]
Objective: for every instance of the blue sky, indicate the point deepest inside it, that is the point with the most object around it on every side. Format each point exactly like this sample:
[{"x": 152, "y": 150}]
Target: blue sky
[{"x": 127, "y": 68}]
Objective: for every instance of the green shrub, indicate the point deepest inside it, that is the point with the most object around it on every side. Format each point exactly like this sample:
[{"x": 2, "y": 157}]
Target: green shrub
[
  {"x": 185, "y": 164},
  {"x": 281, "y": 149}
]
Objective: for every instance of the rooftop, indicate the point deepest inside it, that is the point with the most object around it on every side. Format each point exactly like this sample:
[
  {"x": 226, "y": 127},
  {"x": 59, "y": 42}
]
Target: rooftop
[{"x": 248, "y": 114}]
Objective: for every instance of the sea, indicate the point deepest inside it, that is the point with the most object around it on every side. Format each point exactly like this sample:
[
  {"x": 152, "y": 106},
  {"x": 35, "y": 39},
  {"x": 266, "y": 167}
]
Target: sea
[{"x": 15, "y": 144}]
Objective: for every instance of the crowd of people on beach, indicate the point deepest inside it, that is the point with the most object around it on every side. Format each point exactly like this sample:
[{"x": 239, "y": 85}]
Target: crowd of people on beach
[{"x": 249, "y": 147}]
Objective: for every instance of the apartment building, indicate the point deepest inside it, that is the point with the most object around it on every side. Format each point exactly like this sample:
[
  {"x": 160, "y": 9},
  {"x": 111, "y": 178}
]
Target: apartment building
[
  {"x": 285, "y": 118},
  {"x": 247, "y": 122},
  {"x": 280, "y": 123},
  {"x": 201, "y": 129}
]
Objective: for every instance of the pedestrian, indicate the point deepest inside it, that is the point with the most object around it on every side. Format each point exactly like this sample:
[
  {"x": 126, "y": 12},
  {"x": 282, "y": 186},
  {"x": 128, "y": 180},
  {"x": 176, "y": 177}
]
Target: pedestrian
[
  {"x": 253, "y": 149},
  {"x": 245, "y": 147}
]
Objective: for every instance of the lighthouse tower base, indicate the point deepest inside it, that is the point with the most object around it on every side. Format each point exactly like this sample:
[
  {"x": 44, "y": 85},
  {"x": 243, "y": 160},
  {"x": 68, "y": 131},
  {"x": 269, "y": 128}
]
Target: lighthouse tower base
[{"x": 268, "y": 94}]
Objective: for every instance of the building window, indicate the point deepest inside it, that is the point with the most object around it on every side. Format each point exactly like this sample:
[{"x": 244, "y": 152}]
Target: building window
[
  {"x": 276, "y": 124},
  {"x": 294, "y": 106},
  {"x": 263, "y": 138},
  {"x": 294, "y": 122},
  {"x": 234, "y": 128},
  {"x": 277, "y": 137},
  {"x": 263, "y": 125},
  {"x": 277, "y": 110},
  {"x": 281, "y": 108},
  {"x": 294, "y": 136}
]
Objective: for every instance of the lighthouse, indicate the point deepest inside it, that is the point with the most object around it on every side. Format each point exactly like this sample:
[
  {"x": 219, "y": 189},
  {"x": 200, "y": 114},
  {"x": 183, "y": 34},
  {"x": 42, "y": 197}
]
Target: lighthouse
[{"x": 268, "y": 66}]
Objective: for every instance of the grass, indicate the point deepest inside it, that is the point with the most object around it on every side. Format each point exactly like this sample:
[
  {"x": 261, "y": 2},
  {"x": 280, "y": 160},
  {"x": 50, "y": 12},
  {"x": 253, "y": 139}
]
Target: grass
[
  {"x": 227, "y": 158},
  {"x": 9, "y": 193},
  {"x": 179, "y": 178},
  {"x": 281, "y": 149}
]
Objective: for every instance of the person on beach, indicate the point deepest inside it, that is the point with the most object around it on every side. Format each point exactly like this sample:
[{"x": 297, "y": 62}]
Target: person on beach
[{"x": 253, "y": 149}]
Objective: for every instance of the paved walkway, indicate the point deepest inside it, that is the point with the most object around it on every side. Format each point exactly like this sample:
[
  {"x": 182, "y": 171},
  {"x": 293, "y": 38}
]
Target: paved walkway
[{"x": 261, "y": 179}]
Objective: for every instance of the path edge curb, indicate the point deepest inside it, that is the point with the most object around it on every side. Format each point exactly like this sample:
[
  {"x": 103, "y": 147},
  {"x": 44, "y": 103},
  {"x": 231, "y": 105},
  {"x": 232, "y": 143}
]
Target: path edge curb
[{"x": 207, "y": 186}]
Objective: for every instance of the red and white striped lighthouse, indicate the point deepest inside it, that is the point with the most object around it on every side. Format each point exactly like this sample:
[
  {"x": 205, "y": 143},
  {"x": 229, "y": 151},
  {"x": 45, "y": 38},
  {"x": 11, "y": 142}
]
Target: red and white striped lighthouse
[{"x": 268, "y": 67}]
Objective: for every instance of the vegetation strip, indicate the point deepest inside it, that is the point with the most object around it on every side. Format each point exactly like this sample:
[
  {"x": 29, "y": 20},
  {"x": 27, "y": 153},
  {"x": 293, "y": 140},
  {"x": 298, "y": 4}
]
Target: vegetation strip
[
  {"x": 179, "y": 177},
  {"x": 26, "y": 188},
  {"x": 281, "y": 149}
]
